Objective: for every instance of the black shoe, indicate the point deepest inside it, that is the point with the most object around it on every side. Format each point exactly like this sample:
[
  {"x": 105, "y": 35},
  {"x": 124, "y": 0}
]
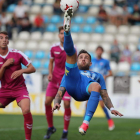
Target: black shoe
[
  {"x": 64, "y": 136},
  {"x": 50, "y": 131}
]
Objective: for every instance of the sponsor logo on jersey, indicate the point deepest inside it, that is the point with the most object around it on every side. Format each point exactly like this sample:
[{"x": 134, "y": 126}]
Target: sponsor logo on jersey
[
  {"x": 66, "y": 72},
  {"x": 57, "y": 52},
  {"x": 1, "y": 62}
]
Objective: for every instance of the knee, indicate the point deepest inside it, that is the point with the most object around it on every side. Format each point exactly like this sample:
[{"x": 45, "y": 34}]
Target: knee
[
  {"x": 48, "y": 100},
  {"x": 1, "y": 105},
  {"x": 47, "y": 103},
  {"x": 25, "y": 110},
  {"x": 95, "y": 87},
  {"x": 66, "y": 104}
]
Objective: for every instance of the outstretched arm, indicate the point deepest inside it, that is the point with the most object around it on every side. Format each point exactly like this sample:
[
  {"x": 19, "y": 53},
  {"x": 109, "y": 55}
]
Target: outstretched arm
[
  {"x": 106, "y": 99},
  {"x": 108, "y": 103},
  {"x": 58, "y": 98}
]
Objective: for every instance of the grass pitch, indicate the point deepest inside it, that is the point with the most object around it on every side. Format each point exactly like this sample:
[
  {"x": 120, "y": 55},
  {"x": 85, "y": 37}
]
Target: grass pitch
[{"x": 11, "y": 128}]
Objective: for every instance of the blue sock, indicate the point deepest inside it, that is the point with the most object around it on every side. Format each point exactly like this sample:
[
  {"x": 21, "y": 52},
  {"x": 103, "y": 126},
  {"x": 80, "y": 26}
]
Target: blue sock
[
  {"x": 91, "y": 105},
  {"x": 106, "y": 113},
  {"x": 68, "y": 44}
]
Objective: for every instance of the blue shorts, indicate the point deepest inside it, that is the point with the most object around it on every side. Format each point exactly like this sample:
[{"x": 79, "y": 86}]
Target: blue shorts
[{"x": 75, "y": 83}]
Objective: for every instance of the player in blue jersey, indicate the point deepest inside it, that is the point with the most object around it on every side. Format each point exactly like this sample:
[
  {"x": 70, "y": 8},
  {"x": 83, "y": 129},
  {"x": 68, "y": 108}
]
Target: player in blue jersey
[
  {"x": 81, "y": 87},
  {"x": 138, "y": 133},
  {"x": 102, "y": 66}
]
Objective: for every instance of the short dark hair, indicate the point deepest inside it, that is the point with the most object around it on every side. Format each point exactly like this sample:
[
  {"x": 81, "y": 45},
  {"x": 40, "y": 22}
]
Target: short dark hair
[
  {"x": 60, "y": 28},
  {"x": 100, "y": 47},
  {"x": 84, "y": 51},
  {"x": 4, "y": 32}
]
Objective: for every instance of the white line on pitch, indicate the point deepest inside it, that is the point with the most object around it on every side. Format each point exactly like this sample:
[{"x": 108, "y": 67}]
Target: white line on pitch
[{"x": 34, "y": 128}]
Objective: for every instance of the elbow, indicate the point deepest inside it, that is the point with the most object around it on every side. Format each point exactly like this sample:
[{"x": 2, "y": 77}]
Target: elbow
[
  {"x": 111, "y": 73},
  {"x": 104, "y": 98},
  {"x": 1, "y": 77},
  {"x": 34, "y": 70}
]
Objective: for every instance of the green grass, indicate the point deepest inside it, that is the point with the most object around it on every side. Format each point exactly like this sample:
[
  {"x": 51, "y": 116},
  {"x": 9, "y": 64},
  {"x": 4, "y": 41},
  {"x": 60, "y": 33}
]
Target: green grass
[{"x": 11, "y": 128}]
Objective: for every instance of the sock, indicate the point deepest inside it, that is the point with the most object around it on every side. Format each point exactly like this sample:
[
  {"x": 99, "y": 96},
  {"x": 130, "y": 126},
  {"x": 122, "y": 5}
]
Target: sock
[
  {"x": 91, "y": 106},
  {"x": 67, "y": 116},
  {"x": 68, "y": 44},
  {"x": 65, "y": 131},
  {"x": 106, "y": 113},
  {"x": 49, "y": 115},
  {"x": 85, "y": 110},
  {"x": 28, "y": 123}
]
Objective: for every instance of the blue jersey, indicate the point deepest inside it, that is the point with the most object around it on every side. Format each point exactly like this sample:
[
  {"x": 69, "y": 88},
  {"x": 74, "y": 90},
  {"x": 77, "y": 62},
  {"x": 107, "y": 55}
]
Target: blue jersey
[
  {"x": 100, "y": 65},
  {"x": 77, "y": 81},
  {"x": 97, "y": 77}
]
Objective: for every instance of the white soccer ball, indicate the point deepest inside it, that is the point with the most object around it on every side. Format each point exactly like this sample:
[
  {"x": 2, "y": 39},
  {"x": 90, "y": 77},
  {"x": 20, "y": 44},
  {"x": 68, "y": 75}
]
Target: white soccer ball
[{"x": 65, "y": 4}]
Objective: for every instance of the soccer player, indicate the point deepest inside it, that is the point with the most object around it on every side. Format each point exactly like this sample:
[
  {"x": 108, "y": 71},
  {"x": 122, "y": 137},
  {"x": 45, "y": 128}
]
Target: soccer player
[
  {"x": 12, "y": 82},
  {"x": 102, "y": 66},
  {"x": 56, "y": 72},
  {"x": 81, "y": 87}
]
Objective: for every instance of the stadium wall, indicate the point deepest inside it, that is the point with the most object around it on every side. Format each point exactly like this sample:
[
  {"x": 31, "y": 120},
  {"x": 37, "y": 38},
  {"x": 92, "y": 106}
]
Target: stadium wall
[{"x": 124, "y": 93}]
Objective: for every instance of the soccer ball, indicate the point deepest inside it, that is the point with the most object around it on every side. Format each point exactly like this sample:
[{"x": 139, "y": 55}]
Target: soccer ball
[{"x": 65, "y": 4}]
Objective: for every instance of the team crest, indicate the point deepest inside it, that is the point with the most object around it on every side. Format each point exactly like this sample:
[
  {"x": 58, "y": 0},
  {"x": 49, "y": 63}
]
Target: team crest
[{"x": 66, "y": 72}]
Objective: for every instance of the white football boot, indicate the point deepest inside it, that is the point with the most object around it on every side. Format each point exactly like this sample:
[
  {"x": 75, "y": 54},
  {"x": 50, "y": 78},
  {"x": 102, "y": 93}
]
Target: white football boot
[{"x": 67, "y": 19}]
